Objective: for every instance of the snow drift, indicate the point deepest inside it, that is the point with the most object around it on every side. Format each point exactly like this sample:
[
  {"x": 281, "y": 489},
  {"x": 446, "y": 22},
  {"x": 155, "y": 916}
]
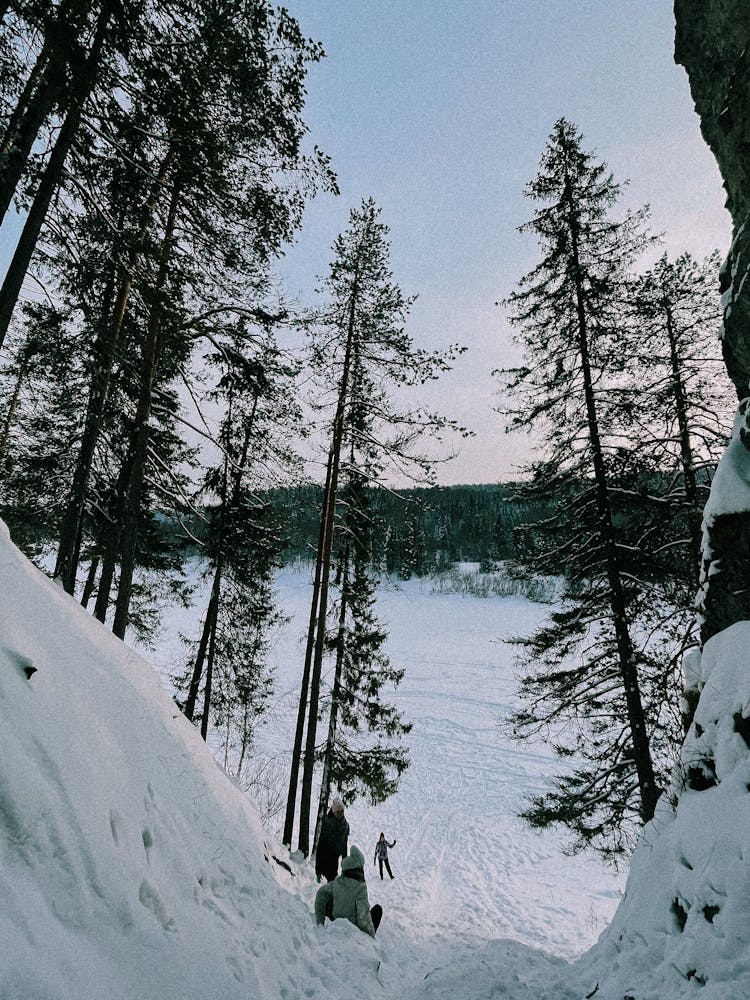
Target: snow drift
[
  {"x": 131, "y": 867},
  {"x": 683, "y": 926}
]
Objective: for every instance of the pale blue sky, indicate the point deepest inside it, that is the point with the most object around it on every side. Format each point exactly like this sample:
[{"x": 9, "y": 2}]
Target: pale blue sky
[{"x": 440, "y": 111}]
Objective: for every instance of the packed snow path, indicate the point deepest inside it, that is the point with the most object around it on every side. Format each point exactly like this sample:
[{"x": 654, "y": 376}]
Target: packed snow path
[{"x": 467, "y": 871}]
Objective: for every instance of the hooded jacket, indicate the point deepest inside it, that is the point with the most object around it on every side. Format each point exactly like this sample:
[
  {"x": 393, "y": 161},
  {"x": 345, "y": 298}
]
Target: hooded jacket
[{"x": 347, "y": 895}]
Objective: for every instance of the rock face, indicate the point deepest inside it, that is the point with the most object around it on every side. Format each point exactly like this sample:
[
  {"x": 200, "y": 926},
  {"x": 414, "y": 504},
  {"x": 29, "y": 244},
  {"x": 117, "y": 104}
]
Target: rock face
[{"x": 712, "y": 42}]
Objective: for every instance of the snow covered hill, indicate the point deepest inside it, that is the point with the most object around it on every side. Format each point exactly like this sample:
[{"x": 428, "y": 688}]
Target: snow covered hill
[{"x": 131, "y": 867}]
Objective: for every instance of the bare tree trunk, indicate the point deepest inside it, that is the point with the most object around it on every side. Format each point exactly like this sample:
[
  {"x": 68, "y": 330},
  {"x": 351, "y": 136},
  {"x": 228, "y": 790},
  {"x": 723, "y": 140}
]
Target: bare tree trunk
[
  {"x": 329, "y": 511},
  {"x": 325, "y": 780},
  {"x": 210, "y": 661},
  {"x": 12, "y": 406},
  {"x": 305, "y": 686},
  {"x": 686, "y": 449},
  {"x": 88, "y": 587},
  {"x": 51, "y": 176},
  {"x": 140, "y": 431},
  {"x": 200, "y": 657},
  {"x": 112, "y": 548}
]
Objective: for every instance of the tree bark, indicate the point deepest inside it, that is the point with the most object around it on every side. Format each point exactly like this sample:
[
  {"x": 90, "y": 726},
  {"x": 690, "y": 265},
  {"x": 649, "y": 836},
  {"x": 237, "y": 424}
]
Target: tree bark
[
  {"x": 112, "y": 548},
  {"x": 88, "y": 587},
  {"x": 200, "y": 656}
]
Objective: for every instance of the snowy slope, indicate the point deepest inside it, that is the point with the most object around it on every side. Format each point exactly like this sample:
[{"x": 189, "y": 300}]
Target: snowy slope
[{"x": 132, "y": 868}]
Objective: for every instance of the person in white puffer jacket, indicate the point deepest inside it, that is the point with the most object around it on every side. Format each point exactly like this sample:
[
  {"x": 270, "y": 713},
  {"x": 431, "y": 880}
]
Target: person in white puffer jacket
[{"x": 347, "y": 896}]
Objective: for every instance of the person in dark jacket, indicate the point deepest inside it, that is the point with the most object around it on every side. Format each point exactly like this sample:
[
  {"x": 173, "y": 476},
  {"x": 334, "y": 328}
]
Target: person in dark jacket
[
  {"x": 381, "y": 855},
  {"x": 346, "y": 897},
  {"x": 333, "y": 842}
]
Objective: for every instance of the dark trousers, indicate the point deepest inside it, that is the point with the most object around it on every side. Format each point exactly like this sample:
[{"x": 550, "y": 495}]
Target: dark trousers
[
  {"x": 326, "y": 868},
  {"x": 384, "y": 861}
]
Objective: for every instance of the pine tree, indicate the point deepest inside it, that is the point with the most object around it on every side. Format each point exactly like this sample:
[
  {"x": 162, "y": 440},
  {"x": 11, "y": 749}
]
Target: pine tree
[
  {"x": 678, "y": 411},
  {"x": 363, "y": 350},
  {"x": 676, "y": 403},
  {"x": 584, "y": 667},
  {"x": 165, "y": 230}
]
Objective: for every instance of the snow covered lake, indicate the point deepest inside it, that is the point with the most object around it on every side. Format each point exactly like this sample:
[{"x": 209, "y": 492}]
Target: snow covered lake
[{"x": 462, "y": 860}]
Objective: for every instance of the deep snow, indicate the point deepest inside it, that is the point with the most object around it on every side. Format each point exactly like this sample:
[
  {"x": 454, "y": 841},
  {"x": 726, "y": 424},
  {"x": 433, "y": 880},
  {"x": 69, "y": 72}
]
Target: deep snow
[{"x": 131, "y": 867}]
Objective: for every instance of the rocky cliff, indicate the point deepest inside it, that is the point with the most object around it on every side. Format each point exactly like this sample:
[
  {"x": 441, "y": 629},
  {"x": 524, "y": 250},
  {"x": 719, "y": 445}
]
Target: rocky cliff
[{"x": 712, "y": 42}]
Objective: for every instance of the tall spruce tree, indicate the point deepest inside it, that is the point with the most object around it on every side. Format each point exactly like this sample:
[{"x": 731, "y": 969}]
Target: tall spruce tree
[
  {"x": 585, "y": 670},
  {"x": 675, "y": 403},
  {"x": 678, "y": 404},
  {"x": 363, "y": 351}
]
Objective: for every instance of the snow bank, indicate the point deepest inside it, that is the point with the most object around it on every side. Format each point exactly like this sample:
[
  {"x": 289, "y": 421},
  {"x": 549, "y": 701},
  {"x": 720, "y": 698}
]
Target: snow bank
[
  {"x": 130, "y": 866},
  {"x": 683, "y": 926},
  {"x": 730, "y": 487}
]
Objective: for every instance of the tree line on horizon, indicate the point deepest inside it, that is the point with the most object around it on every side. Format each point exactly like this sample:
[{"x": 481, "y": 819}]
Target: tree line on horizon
[{"x": 150, "y": 404}]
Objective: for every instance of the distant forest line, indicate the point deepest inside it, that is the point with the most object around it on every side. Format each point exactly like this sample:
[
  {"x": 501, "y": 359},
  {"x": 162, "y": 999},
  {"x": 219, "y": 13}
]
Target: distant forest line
[{"x": 417, "y": 531}]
